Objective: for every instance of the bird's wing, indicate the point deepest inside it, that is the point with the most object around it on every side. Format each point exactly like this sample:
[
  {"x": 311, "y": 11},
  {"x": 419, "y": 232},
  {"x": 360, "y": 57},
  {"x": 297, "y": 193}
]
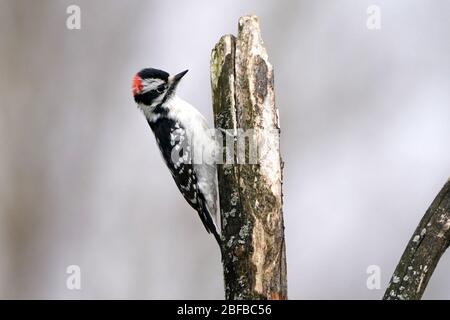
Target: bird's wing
[
  {"x": 207, "y": 184},
  {"x": 197, "y": 183}
]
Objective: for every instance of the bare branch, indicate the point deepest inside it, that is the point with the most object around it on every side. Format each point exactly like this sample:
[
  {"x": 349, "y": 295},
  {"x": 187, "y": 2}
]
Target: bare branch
[
  {"x": 422, "y": 254},
  {"x": 254, "y": 256}
]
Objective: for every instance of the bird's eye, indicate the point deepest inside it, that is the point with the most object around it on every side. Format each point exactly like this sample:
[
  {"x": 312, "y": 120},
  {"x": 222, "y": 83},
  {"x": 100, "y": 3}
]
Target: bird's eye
[{"x": 161, "y": 88}]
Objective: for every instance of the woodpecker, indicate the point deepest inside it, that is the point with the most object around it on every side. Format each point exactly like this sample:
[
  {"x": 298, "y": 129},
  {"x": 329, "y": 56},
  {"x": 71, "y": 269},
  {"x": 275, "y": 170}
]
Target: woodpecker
[{"x": 180, "y": 130}]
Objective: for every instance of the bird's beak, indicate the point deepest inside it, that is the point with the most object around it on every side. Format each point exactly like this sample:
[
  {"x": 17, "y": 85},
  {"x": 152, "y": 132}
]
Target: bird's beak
[{"x": 176, "y": 78}]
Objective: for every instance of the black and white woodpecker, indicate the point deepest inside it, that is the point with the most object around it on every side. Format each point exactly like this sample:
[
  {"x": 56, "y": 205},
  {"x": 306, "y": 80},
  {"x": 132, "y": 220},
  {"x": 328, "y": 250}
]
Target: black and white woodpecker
[{"x": 180, "y": 131}]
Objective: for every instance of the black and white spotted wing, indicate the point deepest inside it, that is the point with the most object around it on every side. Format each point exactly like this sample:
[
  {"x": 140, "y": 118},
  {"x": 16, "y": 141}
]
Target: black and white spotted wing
[{"x": 176, "y": 151}]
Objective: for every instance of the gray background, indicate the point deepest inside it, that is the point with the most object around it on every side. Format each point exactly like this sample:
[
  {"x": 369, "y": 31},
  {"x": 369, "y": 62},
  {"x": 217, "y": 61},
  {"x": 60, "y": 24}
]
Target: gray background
[{"x": 365, "y": 119}]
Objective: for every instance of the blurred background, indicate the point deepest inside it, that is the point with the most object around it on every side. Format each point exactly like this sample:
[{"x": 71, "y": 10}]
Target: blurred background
[{"x": 365, "y": 118}]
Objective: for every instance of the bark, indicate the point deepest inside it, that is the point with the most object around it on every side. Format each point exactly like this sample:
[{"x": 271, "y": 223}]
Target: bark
[
  {"x": 254, "y": 258},
  {"x": 422, "y": 254}
]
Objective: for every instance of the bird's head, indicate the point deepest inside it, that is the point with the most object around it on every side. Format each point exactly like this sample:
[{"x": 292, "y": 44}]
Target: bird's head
[{"x": 152, "y": 87}]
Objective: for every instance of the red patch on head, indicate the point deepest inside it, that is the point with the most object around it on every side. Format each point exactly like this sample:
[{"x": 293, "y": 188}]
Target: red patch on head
[{"x": 136, "y": 85}]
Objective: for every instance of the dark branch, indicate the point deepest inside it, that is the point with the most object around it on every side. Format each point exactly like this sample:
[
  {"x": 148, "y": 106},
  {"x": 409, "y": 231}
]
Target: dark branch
[{"x": 422, "y": 254}]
